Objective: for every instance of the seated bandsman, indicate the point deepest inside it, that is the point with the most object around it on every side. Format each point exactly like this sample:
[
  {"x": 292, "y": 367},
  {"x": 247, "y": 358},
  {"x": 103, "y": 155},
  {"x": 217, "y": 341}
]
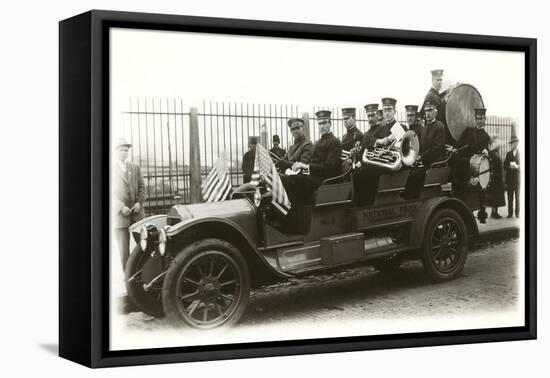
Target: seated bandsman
[
  {"x": 474, "y": 140},
  {"x": 351, "y": 141},
  {"x": 376, "y": 126},
  {"x": 432, "y": 149},
  {"x": 324, "y": 163},
  {"x": 395, "y": 128},
  {"x": 302, "y": 149}
]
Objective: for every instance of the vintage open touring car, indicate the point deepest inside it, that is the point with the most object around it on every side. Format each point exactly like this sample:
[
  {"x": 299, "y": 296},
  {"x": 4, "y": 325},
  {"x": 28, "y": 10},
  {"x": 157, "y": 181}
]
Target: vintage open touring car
[{"x": 197, "y": 264}]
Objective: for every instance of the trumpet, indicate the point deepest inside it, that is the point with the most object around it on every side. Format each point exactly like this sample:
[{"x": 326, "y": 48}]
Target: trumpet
[{"x": 394, "y": 158}]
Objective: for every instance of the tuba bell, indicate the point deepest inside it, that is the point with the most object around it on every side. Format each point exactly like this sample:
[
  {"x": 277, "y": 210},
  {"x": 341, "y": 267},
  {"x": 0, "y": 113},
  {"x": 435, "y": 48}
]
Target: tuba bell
[{"x": 393, "y": 158}]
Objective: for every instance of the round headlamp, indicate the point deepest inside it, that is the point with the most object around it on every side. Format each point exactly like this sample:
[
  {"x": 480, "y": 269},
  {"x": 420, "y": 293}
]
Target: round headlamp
[
  {"x": 257, "y": 198},
  {"x": 162, "y": 241},
  {"x": 143, "y": 235}
]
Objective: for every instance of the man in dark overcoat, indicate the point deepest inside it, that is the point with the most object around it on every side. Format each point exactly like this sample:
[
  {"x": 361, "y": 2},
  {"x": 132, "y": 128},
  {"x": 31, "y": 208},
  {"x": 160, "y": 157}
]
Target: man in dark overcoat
[
  {"x": 276, "y": 150},
  {"x": 511, "y": 166},
  {"x": 128, "y": 197},
  {"x": 248, "y": 159}
]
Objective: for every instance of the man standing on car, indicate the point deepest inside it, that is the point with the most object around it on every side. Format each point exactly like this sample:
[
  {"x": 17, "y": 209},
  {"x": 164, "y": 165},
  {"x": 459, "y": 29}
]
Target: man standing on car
[
  {"x": 128, "y": 197},
  {"x": 324, "y": 163},
  {"x": 301, "y": 150},
  {"x": 433, "y": 96}
]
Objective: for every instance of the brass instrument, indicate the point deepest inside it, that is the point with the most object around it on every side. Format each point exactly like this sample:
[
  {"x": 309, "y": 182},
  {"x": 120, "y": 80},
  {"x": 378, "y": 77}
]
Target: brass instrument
[{"x": 393, "y": 158}]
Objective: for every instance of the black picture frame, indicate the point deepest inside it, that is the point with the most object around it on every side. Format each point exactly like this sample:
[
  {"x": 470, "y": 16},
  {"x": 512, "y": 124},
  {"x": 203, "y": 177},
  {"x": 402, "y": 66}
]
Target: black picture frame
[{"x": 84, "y": 194}]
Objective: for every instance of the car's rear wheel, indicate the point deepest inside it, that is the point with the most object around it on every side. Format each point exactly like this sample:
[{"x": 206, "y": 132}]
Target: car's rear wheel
[
  {"x": 445, "y": 245},
  {"x": 206, "y": 286},
  {"x": 149, "y": 301}
]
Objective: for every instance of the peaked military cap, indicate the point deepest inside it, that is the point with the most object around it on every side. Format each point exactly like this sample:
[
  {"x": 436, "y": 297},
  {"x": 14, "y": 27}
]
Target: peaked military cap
[
  {"x": 428, "y": 105},
  {"x": 323, "y": 114},
  {"x": 348, "y": 112},
  {"x": 293, "y": 122},
  {"x": 411, "y": 108},
  {"x": 252, "y": 140},
  {"x": 369, "y": 108},
  {"x": 480, "y": 112},
  {"x": 388, "y": 101},
  {"x": 437, "y": 73},
  {"x": 276, "y": 139}
]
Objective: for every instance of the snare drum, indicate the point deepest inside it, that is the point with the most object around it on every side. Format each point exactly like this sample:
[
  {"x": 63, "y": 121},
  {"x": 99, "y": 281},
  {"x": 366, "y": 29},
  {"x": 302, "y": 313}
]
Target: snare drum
[{"x": 480, "y": 171}]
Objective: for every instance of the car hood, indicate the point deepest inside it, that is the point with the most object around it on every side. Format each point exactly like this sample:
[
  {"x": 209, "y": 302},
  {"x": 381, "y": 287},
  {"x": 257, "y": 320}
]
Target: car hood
[{"x": 231, "y": 209}]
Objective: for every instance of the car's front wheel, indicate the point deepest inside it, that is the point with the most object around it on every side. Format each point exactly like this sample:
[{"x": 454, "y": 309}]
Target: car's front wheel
[
  {"x": 206, "y": 286},
  {"x": 149, "y": 301},
  {"x": 445, "y": 245}
]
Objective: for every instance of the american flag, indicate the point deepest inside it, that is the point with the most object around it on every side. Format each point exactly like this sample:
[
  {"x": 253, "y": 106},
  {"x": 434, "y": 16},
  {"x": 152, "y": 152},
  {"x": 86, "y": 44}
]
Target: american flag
[
  {"x": 263, "y": 166},
  {"x": 217, "y": 185}
]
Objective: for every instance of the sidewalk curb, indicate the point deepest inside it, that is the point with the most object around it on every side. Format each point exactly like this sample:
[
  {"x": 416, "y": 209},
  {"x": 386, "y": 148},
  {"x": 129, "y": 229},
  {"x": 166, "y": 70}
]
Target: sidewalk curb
[{"x": 498, "y": 234}]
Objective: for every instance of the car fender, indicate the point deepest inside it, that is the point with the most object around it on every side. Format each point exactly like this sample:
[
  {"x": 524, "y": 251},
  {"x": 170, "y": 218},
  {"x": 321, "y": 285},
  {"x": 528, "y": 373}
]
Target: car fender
[
  {"x": 428, "y": 208},
  {"x": 230, "y": 231}
]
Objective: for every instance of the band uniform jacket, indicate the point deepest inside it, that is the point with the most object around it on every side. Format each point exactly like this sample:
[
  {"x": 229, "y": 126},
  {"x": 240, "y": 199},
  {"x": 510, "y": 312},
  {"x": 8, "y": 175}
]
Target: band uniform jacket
[
  {"x": 512, "y": 175},
  {"x": 129, "y": 189},
  {"x": 377, "y": 131},
  {"x": 432, "y": 143},
  {"x": 301, "y": 150},
  {"x": 434, "y": 97},
  {"x": 278, "y": 151},
  {"x": 326, "y": 162},
  {"x": 351, "y": 138},
  {"x": 477, "y": 140}
]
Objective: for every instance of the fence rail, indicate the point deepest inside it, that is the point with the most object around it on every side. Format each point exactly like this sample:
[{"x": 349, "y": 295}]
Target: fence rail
[{"x": 160, "y": 130}]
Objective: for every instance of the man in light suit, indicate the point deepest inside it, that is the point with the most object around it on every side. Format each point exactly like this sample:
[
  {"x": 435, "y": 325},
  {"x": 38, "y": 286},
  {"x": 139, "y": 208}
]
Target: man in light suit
[{"x": 128, "y": 197}]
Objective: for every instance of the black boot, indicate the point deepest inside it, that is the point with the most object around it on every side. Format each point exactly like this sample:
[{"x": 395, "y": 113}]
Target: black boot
[{"x": 482, "y": 215}]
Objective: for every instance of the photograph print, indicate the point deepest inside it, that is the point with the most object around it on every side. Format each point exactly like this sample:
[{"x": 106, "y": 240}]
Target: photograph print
[{"x": 278, "y": 189}]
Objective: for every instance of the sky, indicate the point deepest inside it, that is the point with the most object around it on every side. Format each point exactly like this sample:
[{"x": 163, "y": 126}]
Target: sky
[{"x": 194, "y": 67}]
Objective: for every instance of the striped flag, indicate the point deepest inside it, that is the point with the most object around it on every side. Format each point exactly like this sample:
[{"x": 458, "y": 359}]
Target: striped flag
[
  {"x": 263, "y": 166},
  {"x": 217, "y": 185}
]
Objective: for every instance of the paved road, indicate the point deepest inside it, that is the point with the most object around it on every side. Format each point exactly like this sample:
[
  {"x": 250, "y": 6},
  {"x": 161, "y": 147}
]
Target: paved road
[{"x": 489, "y": 284}]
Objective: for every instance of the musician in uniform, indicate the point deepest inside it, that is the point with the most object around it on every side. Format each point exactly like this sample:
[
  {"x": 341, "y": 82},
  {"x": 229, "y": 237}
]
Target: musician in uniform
[
  {"x": 432, "y": 149},
  {"x": 248, "y": 159},
  {"x": 302, "y": 149},
  {"x": 324, "y": 163},
  {"x": 511, "y": 166},
  {"x": 351, "y": 141},
  {"x": 276, "y": 150},
  {"x": 379, "y": 135},
  {"x": 433, "y": 96},
  {"x": 388, "y": 107},
  {"x": 474, "y": 140},
  {"x": 377, "y": 129}
]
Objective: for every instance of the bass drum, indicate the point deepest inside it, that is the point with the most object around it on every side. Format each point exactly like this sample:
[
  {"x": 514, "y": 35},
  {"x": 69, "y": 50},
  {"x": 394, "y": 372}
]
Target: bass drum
[
  {"x": 459, "y": 112},
  {"x": 480, "y": 171}
]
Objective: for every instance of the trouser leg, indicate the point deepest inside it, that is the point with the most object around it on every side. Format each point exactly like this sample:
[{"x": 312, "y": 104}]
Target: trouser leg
[
  {"x": 516, "y": 193},
  {"x": 123, "y": 240},
  {"x": 510, "y": 196}
]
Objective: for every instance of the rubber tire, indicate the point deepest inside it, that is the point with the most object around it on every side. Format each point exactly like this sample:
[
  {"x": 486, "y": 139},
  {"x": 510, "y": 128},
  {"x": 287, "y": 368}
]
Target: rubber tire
[
  {"x": 169, "y": 294},
  {"x": 149, "y": 303},
  {"x": 431, "y": 270}
]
